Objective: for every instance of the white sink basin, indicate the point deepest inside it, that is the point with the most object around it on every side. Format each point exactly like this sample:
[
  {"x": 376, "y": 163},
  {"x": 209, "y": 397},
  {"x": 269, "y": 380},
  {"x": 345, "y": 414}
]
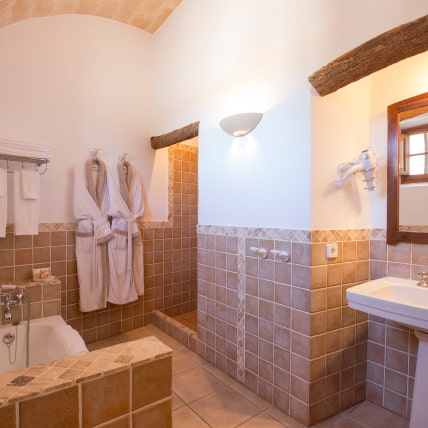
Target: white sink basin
[
  {"x": 400, "y": 300},
  {"x": 396, "y": 299}
]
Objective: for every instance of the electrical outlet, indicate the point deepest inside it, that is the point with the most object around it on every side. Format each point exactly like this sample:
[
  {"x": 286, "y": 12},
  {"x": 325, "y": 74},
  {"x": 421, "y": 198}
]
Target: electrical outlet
[{"x": 331, "y": 251}]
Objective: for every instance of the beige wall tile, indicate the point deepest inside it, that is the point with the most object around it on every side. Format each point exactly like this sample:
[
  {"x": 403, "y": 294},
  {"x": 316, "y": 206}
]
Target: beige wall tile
[
  {"x": 8, "y": 415},
  {"x": 101, "y": 400},
  {"x": 37, "y": 412},
  {"x": 159, "y": 415},
  {"x": 400, "y": 253},
  {"x": 301, "y": 253},
  {"x": 349, "y": 251},
  {"x": 151, "y": 382}
]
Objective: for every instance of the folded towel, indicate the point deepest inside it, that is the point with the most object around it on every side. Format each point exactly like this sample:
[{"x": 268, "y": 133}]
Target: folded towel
[
  {"x": 27, "y": 211},
  {"x": 24, "y": 145},
  {"x": 30, "y": 184},
  {"x": 22, "y": 148},
  {"x": 3, "y": 202}
]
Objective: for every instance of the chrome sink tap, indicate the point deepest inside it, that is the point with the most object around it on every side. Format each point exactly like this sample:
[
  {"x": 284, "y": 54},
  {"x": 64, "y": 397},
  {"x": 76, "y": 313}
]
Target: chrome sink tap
[{"x": 423, "y": 276}]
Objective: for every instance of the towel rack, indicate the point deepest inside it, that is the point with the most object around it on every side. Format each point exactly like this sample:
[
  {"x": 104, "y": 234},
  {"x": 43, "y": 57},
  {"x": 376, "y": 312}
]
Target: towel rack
[{"x": 26, "y": 159}]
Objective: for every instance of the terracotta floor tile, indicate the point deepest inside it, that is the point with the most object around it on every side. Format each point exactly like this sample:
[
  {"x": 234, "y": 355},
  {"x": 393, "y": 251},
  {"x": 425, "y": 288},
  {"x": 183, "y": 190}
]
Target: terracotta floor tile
[
  {"x": 185, "y": 417},
  {"x": 262, "y": 420},
  {"x": 224, "y": 408},
  {"x": 225, "y": 378},
  {"x": 369, "y": 415},
  {"x": 177, "y": 402},
  {"x": 184, "y": 360},
  {"x": 283, "y": 418},
  {"x": 194, "y": 384},
  {"x": 249, "y": 395}
]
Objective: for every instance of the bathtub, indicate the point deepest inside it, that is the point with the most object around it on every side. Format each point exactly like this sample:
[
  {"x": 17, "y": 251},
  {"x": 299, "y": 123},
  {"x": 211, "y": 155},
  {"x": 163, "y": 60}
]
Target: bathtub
[{"x": 50, "y": 339}]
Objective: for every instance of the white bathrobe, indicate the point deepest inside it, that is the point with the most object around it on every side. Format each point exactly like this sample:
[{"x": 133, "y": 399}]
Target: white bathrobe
[
  {"x": 125, "y": 251},
  {"x": 92, "y": 234}
]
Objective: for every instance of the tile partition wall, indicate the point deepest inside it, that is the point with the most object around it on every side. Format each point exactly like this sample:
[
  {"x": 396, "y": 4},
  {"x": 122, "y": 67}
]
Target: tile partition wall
[
  {"x": 169, "y": 259},
  {"x": 392, "y": 348},
  {"x": 284, "y": 329},
  {"x": 83, "y": 389}
]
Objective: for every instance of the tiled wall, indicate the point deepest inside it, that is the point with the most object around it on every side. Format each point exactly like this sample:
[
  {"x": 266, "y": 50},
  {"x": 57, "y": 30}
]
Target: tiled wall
[
  {"x": 392, "y": 348},
  {"x": 169, "y": 259},
  {"x": 284, "y": 329}
]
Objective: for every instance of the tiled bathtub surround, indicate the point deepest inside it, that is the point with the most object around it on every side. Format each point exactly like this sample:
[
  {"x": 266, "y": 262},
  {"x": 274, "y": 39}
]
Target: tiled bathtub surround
[
  {"x": 169, "y": 259},
  {"x": 392, "y": 348},
  {"x": 285, "y": 329},
  {"x": 116, "y": 384}
]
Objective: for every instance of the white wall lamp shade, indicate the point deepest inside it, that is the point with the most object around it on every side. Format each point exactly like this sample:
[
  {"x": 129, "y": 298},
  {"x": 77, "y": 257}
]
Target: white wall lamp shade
[{"x": 240, "y": 124}]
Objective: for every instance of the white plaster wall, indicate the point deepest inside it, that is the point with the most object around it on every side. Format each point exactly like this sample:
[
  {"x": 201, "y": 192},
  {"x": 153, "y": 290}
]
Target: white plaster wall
[
  {"x": 340, "y": 131},
  {"x": 78, "y": 82},
  {"x": 212, "y": 59}
]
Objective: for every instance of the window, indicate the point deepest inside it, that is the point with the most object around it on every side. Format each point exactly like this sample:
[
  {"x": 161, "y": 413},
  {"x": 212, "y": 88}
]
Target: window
[{"x": 414, "y": 155}]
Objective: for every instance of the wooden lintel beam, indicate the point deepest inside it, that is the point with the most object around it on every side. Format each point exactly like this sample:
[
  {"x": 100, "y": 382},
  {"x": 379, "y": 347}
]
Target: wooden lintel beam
[
  {"x": 388, "y": 48},
  {"x": 182, "y": 134}
]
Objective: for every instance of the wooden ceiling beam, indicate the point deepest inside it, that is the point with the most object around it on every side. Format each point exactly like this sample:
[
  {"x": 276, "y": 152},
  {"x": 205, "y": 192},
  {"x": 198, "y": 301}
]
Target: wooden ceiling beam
[
  {"x": 386, "y": 49},
  {"x": 179, "y": 135}
]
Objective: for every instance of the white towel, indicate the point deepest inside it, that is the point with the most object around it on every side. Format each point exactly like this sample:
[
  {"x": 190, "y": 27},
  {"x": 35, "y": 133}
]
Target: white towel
[
  {"x": 23, "y": 148},
  {"x": 3, "y": 202},
  {"x": 27, "y": 211},
  {"x": 30, "y": 183}
]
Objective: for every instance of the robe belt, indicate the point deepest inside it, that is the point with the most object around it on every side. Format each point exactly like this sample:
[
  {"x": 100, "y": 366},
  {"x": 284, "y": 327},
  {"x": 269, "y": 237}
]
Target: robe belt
[
  {"x": 96, "y": 224},
  {"x": 132, "y": 230}
]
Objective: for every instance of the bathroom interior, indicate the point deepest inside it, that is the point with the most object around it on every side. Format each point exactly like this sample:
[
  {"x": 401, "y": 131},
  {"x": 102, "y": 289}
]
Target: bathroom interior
[{"x": 107, "y": 76}]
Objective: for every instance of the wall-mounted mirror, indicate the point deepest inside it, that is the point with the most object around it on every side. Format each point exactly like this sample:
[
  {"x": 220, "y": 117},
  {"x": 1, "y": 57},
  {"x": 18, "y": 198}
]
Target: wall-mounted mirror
[{"x": 407, "y": 205}]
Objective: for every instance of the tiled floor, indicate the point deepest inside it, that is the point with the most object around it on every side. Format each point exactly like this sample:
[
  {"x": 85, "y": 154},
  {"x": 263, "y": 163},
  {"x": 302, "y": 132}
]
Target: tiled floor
[
  {"x": 189, "y": 320},
  {"x": 203, "y": 396}
]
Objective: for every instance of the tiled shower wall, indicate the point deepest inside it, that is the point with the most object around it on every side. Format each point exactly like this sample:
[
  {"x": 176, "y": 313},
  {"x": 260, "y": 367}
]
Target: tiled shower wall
[
  {"x": 284, "y": 328},
  {"x": 169, "y": 259}
]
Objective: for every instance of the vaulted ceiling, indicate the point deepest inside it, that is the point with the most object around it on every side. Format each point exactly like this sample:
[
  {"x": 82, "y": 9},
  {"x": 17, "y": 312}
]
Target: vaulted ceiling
[{"x": 147, "y": 15}]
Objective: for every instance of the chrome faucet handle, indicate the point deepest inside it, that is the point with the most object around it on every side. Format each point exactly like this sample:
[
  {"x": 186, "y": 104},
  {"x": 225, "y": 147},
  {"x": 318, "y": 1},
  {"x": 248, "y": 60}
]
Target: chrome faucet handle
[{"x": 19, "y": 297}]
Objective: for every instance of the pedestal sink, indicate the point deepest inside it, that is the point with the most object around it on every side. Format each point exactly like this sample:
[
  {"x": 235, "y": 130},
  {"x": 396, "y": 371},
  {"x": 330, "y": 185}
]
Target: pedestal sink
[{"x": 401, "y": 300}]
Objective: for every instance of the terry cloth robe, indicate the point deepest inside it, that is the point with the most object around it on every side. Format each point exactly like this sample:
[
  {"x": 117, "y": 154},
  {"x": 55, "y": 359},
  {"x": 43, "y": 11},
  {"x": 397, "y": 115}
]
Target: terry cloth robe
[
  {"x": 125, "y": 251},
  {"x": 92, "y": 233}
]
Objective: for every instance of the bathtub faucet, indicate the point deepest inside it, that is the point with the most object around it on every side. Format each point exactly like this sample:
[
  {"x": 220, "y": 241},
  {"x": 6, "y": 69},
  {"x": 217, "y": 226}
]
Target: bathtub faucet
[
  {"x": 7, "y": 301},
  {"x": 6, "y": 304}
]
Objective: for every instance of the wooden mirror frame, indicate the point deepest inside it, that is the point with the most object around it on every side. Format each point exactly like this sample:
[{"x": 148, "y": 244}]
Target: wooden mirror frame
[{"x": 393, "y": 234}]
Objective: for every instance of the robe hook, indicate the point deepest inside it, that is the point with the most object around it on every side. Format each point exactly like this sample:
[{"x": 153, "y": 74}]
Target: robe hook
[
  {"x": 123, "y": 156},
  {"x": 94, "y": 152},
  {"x": 46, "y": 167}
]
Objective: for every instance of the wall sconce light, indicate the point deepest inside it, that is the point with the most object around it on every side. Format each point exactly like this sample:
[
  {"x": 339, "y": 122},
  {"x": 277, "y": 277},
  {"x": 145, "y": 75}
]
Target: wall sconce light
[{"x": 240, "y": 124}]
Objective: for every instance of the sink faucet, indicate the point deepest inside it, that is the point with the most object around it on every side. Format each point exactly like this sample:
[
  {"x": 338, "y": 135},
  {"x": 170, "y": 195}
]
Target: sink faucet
[{"x": 423, "y": 276}]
